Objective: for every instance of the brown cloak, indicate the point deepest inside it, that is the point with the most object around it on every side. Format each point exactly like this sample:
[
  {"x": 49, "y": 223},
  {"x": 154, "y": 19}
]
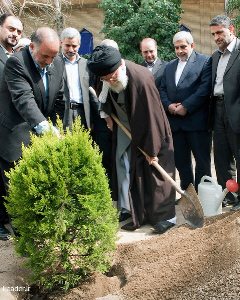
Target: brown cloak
[{"x": 152, "y": 199}]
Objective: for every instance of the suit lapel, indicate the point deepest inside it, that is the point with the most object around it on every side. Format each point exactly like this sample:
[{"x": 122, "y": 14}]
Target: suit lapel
[
  {"x": 51, "y": 87},
  {"x": 35, "y": 75},
  {"x": 172, "y": 72},
  {"x": 215, "y": 59},
  {"x": 187, "y": 68},
  {"x": 233, "y": 57},
  {"x": 84, "y": 82},
  {"x": 3, "y": 56},
  {"x": 156, "y": 66}
]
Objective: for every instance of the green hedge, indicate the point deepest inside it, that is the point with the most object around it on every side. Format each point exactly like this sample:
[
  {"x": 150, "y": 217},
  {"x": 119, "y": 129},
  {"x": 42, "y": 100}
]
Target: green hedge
[{"x": 62, "y": 208}]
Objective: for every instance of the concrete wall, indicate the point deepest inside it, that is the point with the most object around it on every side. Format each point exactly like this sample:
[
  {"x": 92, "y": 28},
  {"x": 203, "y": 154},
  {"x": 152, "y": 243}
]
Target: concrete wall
[{"x": 197, "y": 16}]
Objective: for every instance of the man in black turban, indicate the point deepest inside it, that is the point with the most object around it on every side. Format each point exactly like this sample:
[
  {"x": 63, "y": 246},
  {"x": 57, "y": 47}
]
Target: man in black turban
[{"x": 129, "y": 91}]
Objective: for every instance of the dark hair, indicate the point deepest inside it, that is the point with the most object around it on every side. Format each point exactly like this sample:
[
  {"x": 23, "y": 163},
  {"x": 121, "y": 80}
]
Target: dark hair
[
  {"x": 224, "y": 20},
  {"x": 4, "y": 16}
]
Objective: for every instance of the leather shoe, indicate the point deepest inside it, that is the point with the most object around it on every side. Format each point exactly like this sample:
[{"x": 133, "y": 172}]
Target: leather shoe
[
  {"x": 130, "y": 226},
  {"x": 4, "y": 234},
  {"x": 177, "y": 201},
  {"x": 235, "y": 206},
  {"x": 227, "y": 202},
  {"x": 123, "y": 216},
  {"x": 162, "y": 226}
]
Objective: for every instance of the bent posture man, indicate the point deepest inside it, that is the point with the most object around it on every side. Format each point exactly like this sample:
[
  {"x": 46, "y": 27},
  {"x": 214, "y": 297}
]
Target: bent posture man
[
  {"x": 10, "y": 32},
  {"x": 133, "y": 96},
  {"x": 185, "y": 94},
  {"x": 225, "y": 104},
  {"x": 31, "y": 91}
]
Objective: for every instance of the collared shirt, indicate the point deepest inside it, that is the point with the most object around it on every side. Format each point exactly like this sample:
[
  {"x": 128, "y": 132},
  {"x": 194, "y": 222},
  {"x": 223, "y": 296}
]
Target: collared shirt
[
  {"x": 150, "y": 68},
  {"x": 181, "y": 65},
  {"x": 73, "y": 79},
  {"x": 222, "y": 64},
  {"x": 5, "y": 51},
  {"x": 43, "y": 73}
]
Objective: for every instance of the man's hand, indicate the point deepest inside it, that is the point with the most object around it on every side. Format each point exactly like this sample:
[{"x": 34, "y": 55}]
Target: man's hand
[
  {"x": 109, "y": 123},
  {"x": 151, "y": 159},
  {"x": 172, "y": 108},
  {"x": 44, "y": 127},
  {"x": 180, "y": 110}
]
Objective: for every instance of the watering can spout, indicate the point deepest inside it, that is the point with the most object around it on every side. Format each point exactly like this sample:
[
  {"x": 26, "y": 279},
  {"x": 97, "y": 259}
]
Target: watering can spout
[
  {"x": 231, "y": 186},
  {"x": 220, "y": 198}
]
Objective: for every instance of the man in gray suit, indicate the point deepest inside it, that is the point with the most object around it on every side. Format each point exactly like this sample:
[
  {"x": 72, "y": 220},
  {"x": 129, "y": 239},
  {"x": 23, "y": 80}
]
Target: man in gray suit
[
  {"x": 225, "y": 103},
  {"x": 10, "y": 32},
  {"x": 78, "y": 100},
  {"x": 31, "y": 91},
  {"x": 148, "y": 47}
]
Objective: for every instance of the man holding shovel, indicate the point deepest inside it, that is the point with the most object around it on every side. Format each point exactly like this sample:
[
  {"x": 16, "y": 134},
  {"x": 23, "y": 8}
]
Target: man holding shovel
[{"x": 132, "y": 95}]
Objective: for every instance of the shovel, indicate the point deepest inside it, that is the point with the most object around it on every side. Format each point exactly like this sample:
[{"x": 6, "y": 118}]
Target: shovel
[{"x": 189, "y": 203}]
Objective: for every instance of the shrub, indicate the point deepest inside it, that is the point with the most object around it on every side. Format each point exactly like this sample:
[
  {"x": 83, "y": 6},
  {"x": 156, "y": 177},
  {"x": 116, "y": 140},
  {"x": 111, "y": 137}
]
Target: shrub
[{"x": 62, "y": 208}]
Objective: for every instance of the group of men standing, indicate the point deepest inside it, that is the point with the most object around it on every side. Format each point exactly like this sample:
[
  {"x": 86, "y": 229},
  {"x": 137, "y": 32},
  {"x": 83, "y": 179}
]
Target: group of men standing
[{"x": 167, "y": 112}]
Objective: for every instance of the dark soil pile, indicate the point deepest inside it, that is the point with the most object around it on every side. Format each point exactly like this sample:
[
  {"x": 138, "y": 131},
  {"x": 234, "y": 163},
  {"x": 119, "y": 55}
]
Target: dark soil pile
[{"x": 183, "y": 263}]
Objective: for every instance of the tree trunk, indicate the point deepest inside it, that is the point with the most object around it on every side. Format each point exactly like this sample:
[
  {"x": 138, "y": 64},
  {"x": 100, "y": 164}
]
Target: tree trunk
[{"x": 59, "y": 16}]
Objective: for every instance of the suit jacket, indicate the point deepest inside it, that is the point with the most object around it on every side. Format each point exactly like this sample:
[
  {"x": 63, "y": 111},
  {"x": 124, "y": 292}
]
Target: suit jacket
[
  {"x": 22, "y": 101},
  {"x": 231, "y": 84},
  {"x": 157, "y": 71},
  {"x": 90, "y": 104},
  {"x": 193, "y": 91},
  {"x": 3, "y": 59}
]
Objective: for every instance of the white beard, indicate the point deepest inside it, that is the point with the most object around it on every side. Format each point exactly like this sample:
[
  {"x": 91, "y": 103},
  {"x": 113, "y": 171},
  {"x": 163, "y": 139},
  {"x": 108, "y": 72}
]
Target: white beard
[{"x": 122, "y": 82}]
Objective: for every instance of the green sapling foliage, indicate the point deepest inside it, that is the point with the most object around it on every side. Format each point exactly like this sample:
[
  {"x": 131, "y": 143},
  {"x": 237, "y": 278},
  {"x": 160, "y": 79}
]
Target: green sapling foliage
[{"x": 62, "y": 208}]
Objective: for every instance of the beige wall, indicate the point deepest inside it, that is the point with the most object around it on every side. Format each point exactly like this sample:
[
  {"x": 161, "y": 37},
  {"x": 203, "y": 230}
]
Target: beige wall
[{"x": 197, "y": 16}]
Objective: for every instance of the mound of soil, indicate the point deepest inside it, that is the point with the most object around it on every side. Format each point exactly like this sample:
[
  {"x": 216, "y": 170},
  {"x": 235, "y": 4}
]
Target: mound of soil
[{"x": 183, "y": 263}]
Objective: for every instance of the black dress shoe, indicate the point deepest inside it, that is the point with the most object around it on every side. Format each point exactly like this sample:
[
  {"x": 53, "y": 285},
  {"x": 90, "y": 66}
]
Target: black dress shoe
[
  {"x": 177, "y": 201},
  {"x": 162, "y": 226},
  {"x": 130, "y": 226},
  {"x": 235, "y": 206},
  {"x": 4, "y": 234},
  {"x": 123, "y": 216},
  {"x": 225, "y": 203}
]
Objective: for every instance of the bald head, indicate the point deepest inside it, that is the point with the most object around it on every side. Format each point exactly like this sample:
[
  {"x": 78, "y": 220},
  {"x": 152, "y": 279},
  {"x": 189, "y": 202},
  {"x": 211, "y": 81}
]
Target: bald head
[
  {"x": 148, "y": 47},
  {"x": 44, "y": 46},
  {"x": 109, "y": 42}
]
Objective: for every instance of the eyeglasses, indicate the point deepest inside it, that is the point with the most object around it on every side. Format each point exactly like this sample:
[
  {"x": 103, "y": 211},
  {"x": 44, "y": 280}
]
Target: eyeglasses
[{"x": 110, "y": 78}]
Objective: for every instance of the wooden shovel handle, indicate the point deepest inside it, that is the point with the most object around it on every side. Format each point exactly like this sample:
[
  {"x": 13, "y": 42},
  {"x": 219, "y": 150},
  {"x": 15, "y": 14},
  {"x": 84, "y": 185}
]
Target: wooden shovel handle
[{"x": 154, "y": 163}]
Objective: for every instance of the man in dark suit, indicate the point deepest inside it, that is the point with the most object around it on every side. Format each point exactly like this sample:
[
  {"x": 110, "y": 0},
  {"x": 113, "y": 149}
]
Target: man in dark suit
[
  {"x": 148, "y": 47},
  {"x": 225, "y": 103},
  {"x": 31, "y": 91},
  {"x": 185, "y": 94},
  {"x": 77, "y": 79},
  {"x": 10, "y": 32}
]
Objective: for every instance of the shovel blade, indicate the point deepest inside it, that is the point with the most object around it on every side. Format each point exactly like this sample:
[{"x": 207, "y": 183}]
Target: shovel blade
[{"x": 191, "y": 207}]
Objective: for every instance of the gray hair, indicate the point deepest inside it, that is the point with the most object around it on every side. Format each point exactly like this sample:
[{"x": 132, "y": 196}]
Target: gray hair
[
  {"x": 43, "y": 33},
  {"x": 70, "y": 33},
  {"x": 223, "y": 20},
  {"x": 109, "y": 42},
  {"x": 183, "y": 35}
]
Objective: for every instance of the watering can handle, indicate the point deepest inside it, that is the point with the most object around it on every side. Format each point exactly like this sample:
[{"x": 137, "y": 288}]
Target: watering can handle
[{"x": 213, "y": 181}]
